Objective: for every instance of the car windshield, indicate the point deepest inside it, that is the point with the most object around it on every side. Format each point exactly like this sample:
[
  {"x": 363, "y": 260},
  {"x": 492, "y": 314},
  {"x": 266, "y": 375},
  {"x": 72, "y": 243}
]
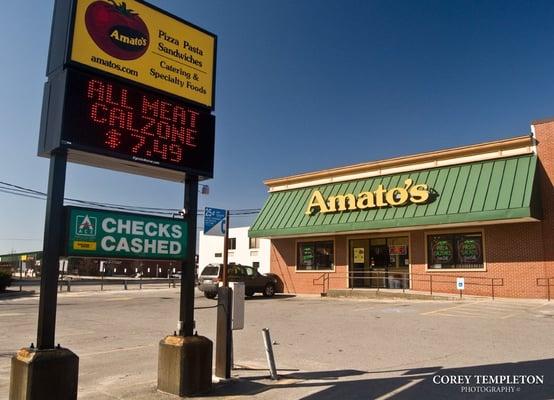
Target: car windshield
[{"x": 211, "y": 270}]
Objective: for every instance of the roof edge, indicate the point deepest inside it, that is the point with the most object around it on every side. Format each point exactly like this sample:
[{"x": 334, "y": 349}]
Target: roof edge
[{"x": 449, "y": 153}]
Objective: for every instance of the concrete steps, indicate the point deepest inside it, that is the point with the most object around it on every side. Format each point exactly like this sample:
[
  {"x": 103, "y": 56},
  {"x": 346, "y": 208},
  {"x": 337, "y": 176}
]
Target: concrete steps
[{"x": 387, "y": 294}]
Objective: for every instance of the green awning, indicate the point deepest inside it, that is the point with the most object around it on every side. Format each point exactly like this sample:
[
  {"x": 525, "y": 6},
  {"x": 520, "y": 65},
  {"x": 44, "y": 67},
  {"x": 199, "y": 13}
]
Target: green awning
[{"x": 499, "y": 189}]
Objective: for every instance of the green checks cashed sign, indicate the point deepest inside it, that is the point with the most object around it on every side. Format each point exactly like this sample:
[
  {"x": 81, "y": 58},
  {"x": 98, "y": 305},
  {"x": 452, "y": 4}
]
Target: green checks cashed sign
[{"x": 108, "y": 234}]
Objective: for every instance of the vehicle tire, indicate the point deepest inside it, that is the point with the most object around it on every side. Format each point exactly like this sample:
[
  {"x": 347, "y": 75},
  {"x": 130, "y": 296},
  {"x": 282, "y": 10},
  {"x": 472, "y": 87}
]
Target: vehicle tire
[
  {"x": 249, "y": 293},
  {"x": 269, "y": 290},
  {"x": 210, "y": 295}
]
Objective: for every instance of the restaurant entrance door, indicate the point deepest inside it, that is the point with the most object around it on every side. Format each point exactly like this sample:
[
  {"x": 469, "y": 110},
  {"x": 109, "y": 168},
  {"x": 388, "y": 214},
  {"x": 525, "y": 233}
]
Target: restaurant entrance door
[{"x": 379, "y": 262}]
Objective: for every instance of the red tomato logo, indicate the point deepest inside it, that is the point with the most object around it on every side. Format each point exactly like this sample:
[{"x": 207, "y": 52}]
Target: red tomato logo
[{"x": 117, "y": 30}]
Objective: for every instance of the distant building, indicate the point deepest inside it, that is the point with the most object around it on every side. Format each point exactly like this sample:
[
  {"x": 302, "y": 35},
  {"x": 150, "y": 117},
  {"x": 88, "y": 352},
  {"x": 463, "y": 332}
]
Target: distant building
[{"x": 242, "y": 250}]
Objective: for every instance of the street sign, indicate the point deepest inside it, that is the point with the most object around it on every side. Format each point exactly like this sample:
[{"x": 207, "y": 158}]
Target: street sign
[
  {"x": 107, "y": 123},
  {"x": 460, "y": 283},
  {"x": 138, "y": 42},
  {"x": 214, "y": 221},
  {"x": 108, "y": 234}
]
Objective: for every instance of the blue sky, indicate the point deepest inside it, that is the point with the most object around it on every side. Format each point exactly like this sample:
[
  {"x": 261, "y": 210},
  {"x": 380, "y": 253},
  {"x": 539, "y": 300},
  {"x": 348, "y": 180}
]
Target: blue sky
[{"x": 301, "y": 86}]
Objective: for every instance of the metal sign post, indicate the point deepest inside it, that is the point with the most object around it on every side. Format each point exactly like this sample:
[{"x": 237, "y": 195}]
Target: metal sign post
[
  {"x": 216, "y": 223},
  {"x": 54, "y": 223},
  {"x": 460, "y": 285},
  {"x": 48, "y": 372},
  {"x": 225, "y": 276},
  {"x": 186, "y": 305}
]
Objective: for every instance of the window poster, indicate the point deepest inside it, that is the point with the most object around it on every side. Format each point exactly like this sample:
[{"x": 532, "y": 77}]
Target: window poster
[
  {"x": 307, "y": 256},
  {"x": 359, "y": 255},
  {"x": 441, "y": 251},
  {"x": 398, "y": 249},
  {"x": 469, "y": 250}
]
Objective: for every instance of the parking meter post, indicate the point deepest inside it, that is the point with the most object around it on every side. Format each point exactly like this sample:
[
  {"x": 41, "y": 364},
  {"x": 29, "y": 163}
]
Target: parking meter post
[
  {"x": 225, "y": 277},
  {"x": 223, "y": 341}
]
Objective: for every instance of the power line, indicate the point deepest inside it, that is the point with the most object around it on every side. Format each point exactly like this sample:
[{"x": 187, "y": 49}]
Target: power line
[{"x": 22, "y": 191}]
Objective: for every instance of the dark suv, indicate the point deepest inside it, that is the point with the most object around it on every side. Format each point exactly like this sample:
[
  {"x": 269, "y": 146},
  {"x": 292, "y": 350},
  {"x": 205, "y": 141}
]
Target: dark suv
[{"x": 254, "y": 282}]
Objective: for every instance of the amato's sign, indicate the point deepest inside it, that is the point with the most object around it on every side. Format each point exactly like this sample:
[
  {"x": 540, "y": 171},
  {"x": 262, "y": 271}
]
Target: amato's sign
[
  {"x": 137, "y": 41},
  {"x": 108, "y": 234},
  {"x": 381, "y": 197}
]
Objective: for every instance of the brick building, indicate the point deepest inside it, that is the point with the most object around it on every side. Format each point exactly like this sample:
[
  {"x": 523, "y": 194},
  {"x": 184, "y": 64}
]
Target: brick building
[{"x": 484, "y": 213}]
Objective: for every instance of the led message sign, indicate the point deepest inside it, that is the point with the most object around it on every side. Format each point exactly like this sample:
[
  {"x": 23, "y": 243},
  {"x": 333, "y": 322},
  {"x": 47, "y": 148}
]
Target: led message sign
[
  {"x": 109, "y": 118},
  {"x": 140, "y": 42},
  {"x": 108, "y": 234}
]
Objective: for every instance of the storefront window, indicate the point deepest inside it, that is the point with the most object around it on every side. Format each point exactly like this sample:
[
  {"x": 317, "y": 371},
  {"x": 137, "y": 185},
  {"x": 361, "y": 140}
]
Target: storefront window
[
  {"x": 316, "y": 256},
  {"x": 463, "y": 251}
]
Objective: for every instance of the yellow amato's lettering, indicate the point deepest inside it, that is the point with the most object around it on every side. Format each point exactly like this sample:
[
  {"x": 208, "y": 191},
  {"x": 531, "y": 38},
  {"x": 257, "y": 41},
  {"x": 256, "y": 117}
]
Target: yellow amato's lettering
[
  {"x": 142, "y": 42},
  {"x": 399, "y": 196},
  {"x": 380, "y": 197},
  {"x": 317, "y": 200},
  {"x": 365, "y": 200},
  {"x": 341, "y": 201},
  {"x": 419, "y": 194}
]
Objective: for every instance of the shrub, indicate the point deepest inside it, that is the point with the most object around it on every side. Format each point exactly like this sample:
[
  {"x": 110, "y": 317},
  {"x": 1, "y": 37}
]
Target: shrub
[{"x": 5, "y": 280}]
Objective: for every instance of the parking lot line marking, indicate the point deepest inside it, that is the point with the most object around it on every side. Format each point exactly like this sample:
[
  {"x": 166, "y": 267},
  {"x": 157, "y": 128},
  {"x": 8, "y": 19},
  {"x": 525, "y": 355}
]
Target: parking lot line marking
[
  {"x": 399, "y": 389},
  {"x": 449, "y": 308},
  {"x": 118, "y": 299},
  {"x": 472, "y": 312},
  {"x": 11, "y": 314},
  {"x": 116, "y": 350},
  {"x": 461, "y": 315},
  {"x": 521, "y": 311}
]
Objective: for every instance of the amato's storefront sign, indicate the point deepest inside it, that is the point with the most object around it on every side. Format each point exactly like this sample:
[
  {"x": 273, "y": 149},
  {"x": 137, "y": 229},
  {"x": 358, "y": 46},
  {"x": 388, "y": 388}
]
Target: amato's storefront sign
[
  {"x": 108, "y": 234},
  {"x": 381, "y": 197}
]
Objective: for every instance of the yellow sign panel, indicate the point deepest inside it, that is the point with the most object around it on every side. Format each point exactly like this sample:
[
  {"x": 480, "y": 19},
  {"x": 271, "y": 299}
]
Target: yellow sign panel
[
  {"x": 84, "y": 246},
  {"x": 23, "y": 258},
  {"x": 134, "y": 41},
  {"x": 359, "y": 255}
]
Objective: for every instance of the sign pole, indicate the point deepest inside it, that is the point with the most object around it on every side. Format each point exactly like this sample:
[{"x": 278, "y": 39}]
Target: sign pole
[
  {"x": 185, "y": 366},
  {"x": 225, "y": 277},
  {"x": 224, "y": 333},
  {"x": 48, "y": 372},
  {"x": 53, "y": 236},
  {"x": 186, "y": 310}
]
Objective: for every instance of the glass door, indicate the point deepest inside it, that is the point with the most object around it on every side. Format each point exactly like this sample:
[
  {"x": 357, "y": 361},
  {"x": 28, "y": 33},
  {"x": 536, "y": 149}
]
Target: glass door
[
  {"x": 379, "y": 263},
  {"x": 359, "y": 264}
]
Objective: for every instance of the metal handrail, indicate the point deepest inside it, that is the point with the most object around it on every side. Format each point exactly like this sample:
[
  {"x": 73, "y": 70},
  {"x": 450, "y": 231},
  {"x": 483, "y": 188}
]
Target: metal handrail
[
  {"x": 410, "y": 277},
  {"x": 548, "y": 284},
  {"x": 324, "y": 277}
]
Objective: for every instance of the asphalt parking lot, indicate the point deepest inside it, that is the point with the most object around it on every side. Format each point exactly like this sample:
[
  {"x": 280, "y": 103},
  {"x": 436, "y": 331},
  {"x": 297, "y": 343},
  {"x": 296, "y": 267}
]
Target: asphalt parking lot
[{"x": 325, "y": 348}]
